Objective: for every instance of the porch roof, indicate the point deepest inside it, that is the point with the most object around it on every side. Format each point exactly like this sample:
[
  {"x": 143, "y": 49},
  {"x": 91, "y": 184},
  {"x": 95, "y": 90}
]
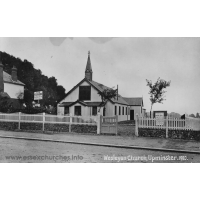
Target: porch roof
[{"x": 88, "y": 104}]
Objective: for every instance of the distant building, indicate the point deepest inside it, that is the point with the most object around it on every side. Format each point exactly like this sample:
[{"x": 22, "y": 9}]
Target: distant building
[
  {"x": 10, "y": 84},
  {"x": 84, "y": 100},
  {"x": 174, "y": 115}
]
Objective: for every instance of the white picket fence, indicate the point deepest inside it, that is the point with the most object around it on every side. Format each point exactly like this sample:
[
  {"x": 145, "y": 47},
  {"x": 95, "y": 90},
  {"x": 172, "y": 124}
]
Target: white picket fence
[
  {"x": 167, "y": 123},
  {"x": 170, "y": 123},
  {"x": 46, "y": 118}
]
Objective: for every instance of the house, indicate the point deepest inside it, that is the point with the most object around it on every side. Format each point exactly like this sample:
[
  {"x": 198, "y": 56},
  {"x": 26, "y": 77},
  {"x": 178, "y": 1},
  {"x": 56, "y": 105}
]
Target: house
[
  {"x": 84, "y": 100},
  {"x": 10, "y": 84}
]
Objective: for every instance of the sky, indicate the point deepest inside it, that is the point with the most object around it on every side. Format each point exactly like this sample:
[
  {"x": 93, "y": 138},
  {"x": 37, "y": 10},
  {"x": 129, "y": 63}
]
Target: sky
[{"x": 126, "y": 62}]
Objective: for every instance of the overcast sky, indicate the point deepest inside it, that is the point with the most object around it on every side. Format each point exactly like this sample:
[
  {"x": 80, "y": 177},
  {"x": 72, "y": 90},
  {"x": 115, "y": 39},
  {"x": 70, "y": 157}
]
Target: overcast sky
[{"x": 127, "y": 62}]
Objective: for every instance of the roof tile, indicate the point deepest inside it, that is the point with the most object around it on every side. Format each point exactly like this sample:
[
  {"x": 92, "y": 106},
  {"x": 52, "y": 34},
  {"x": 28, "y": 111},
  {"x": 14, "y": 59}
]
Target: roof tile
[{"x": 134, "y": 101}]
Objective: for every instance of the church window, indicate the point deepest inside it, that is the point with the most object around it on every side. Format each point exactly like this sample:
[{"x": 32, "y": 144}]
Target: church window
[
  {"x": 67, "y": 110},
  {"x": 85, "y": 93},
  {"x": 77, "y": 110},
  {"x": 94, "y": 110}
]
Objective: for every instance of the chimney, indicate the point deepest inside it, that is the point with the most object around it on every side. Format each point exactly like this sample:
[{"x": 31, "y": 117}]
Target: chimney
[
  {"x": 14, "y": 74},
  {"x": 1, "y": 76}
]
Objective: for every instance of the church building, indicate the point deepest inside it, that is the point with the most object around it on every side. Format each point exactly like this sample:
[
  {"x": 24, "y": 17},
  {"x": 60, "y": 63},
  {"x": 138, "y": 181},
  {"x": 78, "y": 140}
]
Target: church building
[{"x": 84, "y": 100}]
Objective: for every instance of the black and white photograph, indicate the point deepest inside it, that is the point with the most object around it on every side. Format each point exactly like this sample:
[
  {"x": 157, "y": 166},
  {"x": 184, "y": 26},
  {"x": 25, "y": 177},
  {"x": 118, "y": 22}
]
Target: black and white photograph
[{"x": 99, "y": 99}]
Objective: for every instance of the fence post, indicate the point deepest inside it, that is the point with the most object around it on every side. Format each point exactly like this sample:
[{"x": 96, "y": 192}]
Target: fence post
[
  {"x": 43, "y": 121},
  {"x": 19, "y": 120},
  {"x": 99, "y": 123},
  {"x": 167, "y": 127},
  {"x": 136, "y": 125},
  {"x": 70, "y": 122},
  {"x": 116, "y": 124}
]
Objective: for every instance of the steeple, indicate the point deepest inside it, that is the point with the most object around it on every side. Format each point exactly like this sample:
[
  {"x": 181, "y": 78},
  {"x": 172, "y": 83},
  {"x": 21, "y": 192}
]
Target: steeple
[{"x": 88, "y": 69}]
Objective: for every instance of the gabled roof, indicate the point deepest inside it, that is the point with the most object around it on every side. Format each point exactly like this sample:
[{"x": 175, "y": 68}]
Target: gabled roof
[
  {"x": 134, "y": 101},
  {"x": 7, "y": 79},
  {"x": 99, "y": 87}
]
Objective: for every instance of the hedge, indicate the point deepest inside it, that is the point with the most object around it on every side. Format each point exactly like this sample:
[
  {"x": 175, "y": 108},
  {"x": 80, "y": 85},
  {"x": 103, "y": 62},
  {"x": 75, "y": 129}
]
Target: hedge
[
  {"x": 48, "y": 127},
  {"x": 174, "y": 134}
]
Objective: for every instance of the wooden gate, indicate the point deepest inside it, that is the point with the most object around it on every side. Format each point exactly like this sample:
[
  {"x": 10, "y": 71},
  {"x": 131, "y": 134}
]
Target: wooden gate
[{"x": 109, "y": 124}]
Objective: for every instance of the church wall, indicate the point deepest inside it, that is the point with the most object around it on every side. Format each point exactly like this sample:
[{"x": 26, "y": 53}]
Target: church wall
[
  {"x": 122, "y": 117},
  {"x": 95, "y": 96},
  {"x": 73, "y": 96},
  {"x": 109, "y": 109}
]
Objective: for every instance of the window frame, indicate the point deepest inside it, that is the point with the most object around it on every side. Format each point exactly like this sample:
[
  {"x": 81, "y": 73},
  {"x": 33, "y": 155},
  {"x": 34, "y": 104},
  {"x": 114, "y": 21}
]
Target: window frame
[
  {"x": 65, "y": 110},
  {"x": 83, "y": 92},
  {"x": 93, "y": 110},
  {"x": 75, "y": 110}
]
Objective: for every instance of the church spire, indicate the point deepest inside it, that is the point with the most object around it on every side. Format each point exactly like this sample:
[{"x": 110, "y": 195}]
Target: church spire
[{"x": 88, "y": 69}]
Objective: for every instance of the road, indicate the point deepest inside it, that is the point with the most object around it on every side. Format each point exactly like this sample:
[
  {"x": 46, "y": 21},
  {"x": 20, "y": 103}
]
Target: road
[{"x": 25, "y": 151}]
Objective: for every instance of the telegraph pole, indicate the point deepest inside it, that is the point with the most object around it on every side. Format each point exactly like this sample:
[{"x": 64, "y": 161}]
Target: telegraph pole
[{"x": 117, "y": 92}]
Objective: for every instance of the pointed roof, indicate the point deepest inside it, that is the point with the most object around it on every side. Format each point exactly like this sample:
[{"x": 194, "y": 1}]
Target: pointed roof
[
  {"x": 99, "y": 87},
  {"x": 88, "y": 66}
]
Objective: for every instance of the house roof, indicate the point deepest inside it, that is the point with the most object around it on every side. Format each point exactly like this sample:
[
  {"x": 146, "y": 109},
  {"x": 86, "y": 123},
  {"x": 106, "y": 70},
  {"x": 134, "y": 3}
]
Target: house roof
[
  {"x": 7, "y": 79},
  {"x": 134, "y": 101},
  {"x": 102, "y": 87}
]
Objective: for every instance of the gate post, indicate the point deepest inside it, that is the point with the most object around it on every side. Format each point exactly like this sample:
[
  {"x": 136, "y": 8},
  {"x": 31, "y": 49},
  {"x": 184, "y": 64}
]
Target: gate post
[
  {"x": 136, "y": 125},
  {"x": 99, "y": 123},
  {"x": 70, "y": 122},
  {"x": 43, "y": 121},
  {"x": 116, "y": 126},
  {"x": 167, "y": 127},
  {"x": 19, "y": 120}
]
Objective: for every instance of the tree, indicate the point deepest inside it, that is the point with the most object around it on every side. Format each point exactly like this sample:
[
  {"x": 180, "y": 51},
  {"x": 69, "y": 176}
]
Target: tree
[
  {"x": 157, "y": 90},
  {"x": 5, "y": 103},
  {"x": 20, "y": 97},
  {"x": 34, "y": 81},
  {"x": 107, "y": 94},
  {"x": 197, "y": 115}
]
